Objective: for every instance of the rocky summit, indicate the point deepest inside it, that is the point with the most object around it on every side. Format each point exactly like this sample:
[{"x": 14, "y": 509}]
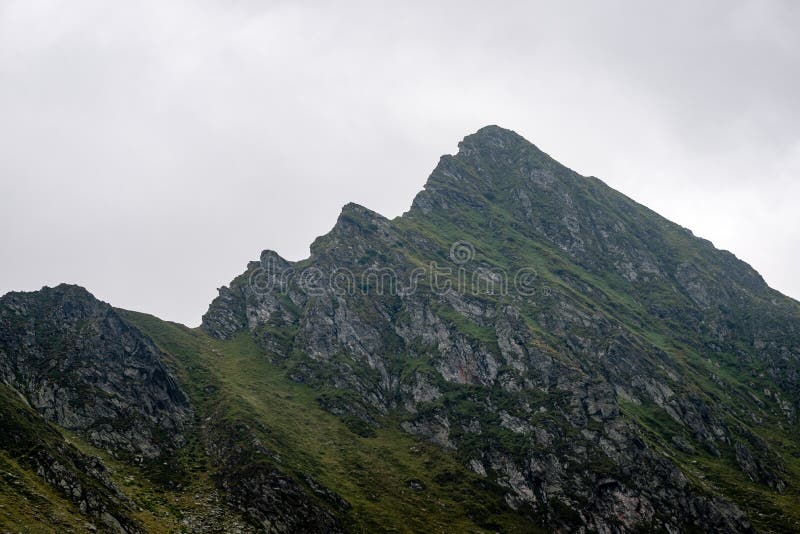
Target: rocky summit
[{"x": 524, "y": 350}]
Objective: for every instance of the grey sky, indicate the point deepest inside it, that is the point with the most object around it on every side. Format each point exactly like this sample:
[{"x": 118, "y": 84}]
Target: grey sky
[{"x": 149, "y": 149}]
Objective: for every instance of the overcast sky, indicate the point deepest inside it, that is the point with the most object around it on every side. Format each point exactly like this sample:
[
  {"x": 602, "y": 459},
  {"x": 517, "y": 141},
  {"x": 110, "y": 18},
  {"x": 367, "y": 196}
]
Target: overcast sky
[{"x": 149, "y": 149}]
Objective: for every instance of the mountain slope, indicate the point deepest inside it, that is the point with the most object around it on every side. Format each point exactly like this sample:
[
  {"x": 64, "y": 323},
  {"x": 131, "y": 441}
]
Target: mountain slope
[
  {"x": 371, "y": 483},
  {"x": 525, "y": 350},
  {"x": 602, "y": 364},
  {"x": 258, "y": 453}
]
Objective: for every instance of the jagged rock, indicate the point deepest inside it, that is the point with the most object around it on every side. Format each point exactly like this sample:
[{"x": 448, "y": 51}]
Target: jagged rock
[
  {"x": 80, "y": 365},
  {"x": 271, "y": 501},
  {"x": 574, "y": 351},
  {"x": 536, "y": 381}
]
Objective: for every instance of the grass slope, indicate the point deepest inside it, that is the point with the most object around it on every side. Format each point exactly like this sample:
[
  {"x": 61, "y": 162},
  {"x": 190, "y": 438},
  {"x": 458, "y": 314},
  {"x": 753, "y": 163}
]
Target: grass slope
[{"x": 376, "y": 474}]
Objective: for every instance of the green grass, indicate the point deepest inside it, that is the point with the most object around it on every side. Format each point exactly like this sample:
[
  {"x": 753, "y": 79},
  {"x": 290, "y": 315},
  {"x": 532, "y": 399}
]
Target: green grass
[
  {"x": 371, "y": 473},
  {"x": 29, "y": 443},
  {"x": 235, "y": 382},
  {"x": 30, "y": 505}
]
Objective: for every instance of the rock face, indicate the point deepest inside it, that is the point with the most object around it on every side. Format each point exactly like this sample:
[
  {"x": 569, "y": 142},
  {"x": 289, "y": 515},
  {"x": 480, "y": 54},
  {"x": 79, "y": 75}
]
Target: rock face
[
  {"x": 69, "y": 360},
  {"x": 576, "y": 362},
  {"x": 272, "y": 501},
  {"x": 82, "y": 479},
  {"x": 573, "y": 346},
  {"x": 82, "y": 367}
]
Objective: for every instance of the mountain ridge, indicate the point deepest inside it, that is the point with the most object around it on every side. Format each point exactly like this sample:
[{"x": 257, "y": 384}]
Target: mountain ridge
[
  {"x": 644, "y": 253},
  {"x": 525, "y": 349},
  {"x": 494, "y": 135}
]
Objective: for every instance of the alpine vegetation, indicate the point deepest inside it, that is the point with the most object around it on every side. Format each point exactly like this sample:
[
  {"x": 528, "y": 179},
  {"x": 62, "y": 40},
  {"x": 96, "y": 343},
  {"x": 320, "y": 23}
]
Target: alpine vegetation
[{"x": 524, "y": 350}]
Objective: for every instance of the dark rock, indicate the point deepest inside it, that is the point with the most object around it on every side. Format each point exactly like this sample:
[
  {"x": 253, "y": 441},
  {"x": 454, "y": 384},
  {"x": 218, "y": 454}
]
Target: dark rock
[{"x": 82, "y": 366}]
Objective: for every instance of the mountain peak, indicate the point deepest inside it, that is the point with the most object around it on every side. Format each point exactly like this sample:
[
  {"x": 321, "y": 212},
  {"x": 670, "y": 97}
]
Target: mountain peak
[
  {"x": 493, "y": 134},
  {"x": 515, "y": 288},
  {"x": 355, "y": 223},
  {"x": 356, "y": 215},
  {"x": 489, "y": 161},
  {"x": 494, "y": 140}
]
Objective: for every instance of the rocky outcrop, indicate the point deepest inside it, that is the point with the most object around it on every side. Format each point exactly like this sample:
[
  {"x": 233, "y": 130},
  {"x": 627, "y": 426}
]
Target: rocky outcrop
[
  {"x": 81, "y": 366},
  {"x": 80, "y": 478},
  {"x": 270, "y": 500},
  {"x": 537, "y": 322},
  {"x": 592, "y": 366}
]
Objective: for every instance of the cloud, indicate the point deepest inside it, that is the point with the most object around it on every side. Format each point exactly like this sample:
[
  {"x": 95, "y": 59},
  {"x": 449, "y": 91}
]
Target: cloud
[{"x": 149, "y": 149}]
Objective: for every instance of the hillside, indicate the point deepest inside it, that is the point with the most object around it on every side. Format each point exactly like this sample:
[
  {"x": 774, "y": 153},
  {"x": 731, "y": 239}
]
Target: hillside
[{"x": 524, "y": 350}]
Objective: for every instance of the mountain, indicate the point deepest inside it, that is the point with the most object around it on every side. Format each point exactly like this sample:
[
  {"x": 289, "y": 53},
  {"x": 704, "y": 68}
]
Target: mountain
[{"x": 524, "y": 350}]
